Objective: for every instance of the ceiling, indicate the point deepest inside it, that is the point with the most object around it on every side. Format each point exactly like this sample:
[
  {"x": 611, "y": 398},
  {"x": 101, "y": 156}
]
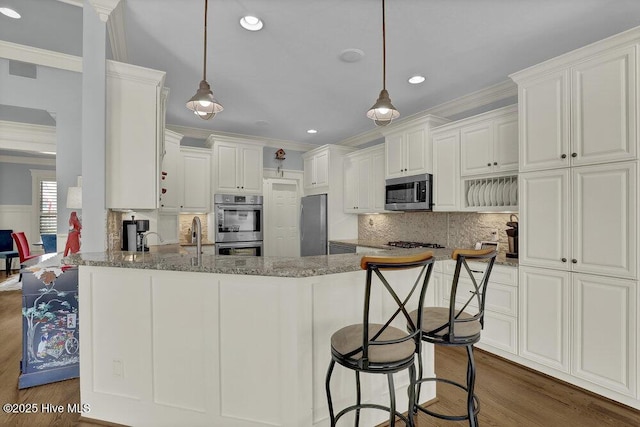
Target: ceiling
[{"x": 288, "y": 77}]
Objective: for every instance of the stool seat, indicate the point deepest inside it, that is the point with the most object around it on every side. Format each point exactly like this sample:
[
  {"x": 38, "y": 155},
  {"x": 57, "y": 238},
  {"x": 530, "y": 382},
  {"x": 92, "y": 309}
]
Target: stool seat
[
  {"x": 435, "y": 325},
  {"x": 347, "y": 343},
  {"x": 8, "y": 257}
]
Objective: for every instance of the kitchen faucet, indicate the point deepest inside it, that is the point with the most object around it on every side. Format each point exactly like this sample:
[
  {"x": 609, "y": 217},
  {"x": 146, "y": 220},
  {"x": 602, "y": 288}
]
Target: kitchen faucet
[
  {"x": 196, "y": 237},
  {"x": 144, "y": 238}
]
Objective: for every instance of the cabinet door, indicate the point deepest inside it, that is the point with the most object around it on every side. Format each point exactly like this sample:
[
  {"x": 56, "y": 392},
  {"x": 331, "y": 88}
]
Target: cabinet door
[
  {"x": 476, "y": 146},
  {"x": 226, "y": 170},
  {"x": 544, "y": 316},
  {"x": 605, "y": 219},
  {"x": 322, "y": 169},
  {"x": 446, "y": 171},
  {"x": 605, "y": 331},
  {"x": 350, "y": 185},
  {"x": 544, "y": 122},
  {"x": 171, "y": 180},
  {"x": 197, "y": 176},
  {"x": 364, "y": 183},
  {"x": 417, "y": 153},
  {"x": 394, "y": 154},
  {"x": 604, "y": 108},
  {"x": 377, "y": 181},
  {"x": 544, "y": 219},
  {"x": 505, "y": 144},
  {"x": 309, "y": 172},
  {"x": 250, "y": 169}
]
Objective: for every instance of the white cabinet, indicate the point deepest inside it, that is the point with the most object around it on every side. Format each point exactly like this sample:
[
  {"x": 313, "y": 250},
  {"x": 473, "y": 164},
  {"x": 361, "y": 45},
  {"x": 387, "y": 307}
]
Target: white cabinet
[
  {"x": 134, "y": 134},
  {"x": 196, "y": 178},
  {"x": 238, "y": 167},
  {"x": 489, "y": 143},
  {"x": 544, "y": 316},
  {"x": 500, "y": 332},
  {"x": 578, "y": 113},
  {"x": 581, "y": 219},
  {"x": 408, "y": 150},
  {"x": 364, "y": 183},
  {"x": 446, "y": 170},
  {"x": 170, "y": 179},
  {"x": 316, "y": 170}
]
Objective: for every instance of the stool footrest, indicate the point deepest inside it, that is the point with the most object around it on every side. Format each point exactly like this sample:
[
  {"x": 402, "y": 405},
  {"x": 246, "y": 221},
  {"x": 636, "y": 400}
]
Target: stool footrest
[
  {"x": 476, "y": 402},
  {"x": 403, "y": 417}
]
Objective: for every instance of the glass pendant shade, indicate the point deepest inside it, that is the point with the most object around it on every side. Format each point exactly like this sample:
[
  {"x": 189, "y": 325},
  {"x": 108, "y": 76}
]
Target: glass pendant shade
[
  {"x": 203, "y": 104},
  {"x": 383, "y": 111}
]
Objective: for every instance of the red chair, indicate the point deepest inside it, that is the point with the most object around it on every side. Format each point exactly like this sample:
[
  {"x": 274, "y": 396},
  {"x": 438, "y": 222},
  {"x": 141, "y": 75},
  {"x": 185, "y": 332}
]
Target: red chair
[{"x": 23, "y": 246}]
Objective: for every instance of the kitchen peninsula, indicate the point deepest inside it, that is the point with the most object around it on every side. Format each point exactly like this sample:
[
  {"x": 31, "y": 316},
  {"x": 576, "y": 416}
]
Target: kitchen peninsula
[{"x": 235, "y": 341}]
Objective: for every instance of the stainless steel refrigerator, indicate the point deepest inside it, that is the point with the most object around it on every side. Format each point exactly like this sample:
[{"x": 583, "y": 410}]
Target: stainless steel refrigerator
[{"x": 313, "y": 225}]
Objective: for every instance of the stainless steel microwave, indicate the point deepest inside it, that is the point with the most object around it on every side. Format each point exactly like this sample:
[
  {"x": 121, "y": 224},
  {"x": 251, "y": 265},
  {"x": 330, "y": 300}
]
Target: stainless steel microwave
[{"x": 409, "y": 193}]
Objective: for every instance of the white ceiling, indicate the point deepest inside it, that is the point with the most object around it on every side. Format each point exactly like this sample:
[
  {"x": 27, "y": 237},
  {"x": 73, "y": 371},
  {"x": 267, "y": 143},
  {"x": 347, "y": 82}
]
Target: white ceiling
[{"x": 289, "y": 75}]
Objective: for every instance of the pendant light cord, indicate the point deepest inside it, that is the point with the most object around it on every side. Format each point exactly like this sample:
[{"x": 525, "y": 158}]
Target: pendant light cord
[
  {"x": 204, "y": 71},
  {"x": 384, "y": 52}
]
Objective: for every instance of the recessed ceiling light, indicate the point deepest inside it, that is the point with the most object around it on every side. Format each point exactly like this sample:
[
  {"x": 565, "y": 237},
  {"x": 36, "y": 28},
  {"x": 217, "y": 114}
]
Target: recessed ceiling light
[
  {"x": 351, "y": 55},
  {"x": 251, "y": 23},
  {"x": 414, "y": 80},
  {"x": 312, "y": 131},
  {"x": 7, "y": 11}
]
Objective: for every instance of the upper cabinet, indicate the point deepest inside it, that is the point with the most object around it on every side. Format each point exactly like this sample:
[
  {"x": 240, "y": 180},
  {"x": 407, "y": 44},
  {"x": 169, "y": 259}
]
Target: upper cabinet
[
  {"x": 579, "y": 109},
  {"x": 320, "y": 168},
  {"x": 489, "y": 142},
  {"x": 135, "y": 110},
  {"x": 196, "y": 180},
  {"x": 170, "y": 178},
  {"x": 238, "y": 167},
  {"x": 446, "y": 170},
  {"x": 408, "y": 149},
  {"x": 364, "y": 182}
]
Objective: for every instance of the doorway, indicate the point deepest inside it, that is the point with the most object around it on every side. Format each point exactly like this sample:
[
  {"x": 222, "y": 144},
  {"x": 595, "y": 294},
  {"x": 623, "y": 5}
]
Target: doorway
[{"x": 281, "y": 217}]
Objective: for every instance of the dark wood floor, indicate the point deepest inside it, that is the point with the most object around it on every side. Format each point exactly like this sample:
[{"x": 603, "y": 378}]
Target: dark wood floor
[{"x": 510, "y": 395}]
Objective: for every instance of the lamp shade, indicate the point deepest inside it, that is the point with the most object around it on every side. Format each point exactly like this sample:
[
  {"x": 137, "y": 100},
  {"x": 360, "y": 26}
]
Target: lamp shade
[
  {"x": 383, "y": 111},
  {"x": 74, "y": 198},
  {"x": 203, "y": 104}
]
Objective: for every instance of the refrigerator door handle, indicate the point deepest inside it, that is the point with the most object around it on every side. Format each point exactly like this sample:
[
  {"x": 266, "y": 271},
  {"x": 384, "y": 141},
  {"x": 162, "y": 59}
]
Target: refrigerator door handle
[{"x": 301, "y": 228}]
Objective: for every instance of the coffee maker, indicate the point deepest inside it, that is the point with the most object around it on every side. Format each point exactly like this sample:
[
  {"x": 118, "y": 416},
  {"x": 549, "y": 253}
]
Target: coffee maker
[
  {"x": 512, "y": 235},
  {"x": 132, "y": 233}
]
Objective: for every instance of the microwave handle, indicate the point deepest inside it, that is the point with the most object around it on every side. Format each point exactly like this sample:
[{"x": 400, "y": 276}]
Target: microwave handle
[{"x": 416, "y": 189}]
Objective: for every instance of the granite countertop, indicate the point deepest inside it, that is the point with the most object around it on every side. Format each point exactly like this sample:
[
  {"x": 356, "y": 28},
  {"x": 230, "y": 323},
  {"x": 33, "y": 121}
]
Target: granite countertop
[{"x": 224, "y": 264}]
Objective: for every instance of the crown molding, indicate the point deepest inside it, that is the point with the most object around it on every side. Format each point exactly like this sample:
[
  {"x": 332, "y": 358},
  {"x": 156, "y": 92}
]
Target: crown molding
[
  {"x": 22, "y": 160},
  {"x": 78, "y": 3},
  {"x": 135, "y": 73},
  {"x": 34, "y": 55},
  {"x": 115, "y": 27},
  {"x": 104, "y": 8},
  {"x": 27, "y": 137},
  {"x": 467, "y": 102},
  {"x": 205, "y": 134}
]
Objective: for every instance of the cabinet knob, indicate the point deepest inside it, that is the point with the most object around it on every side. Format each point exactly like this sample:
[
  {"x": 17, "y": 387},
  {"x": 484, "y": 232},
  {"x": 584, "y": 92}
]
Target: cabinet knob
[
  {"x": 242, "y": 188},
  {"x": 575, "y": 261},
  {"x": 564, "y": 260},
  {"x": 406, "y": 170},
  {"x": 495, "y": 163},
  {"x": 564, "y": 156},
  {"x": 574, "y": 154},
  {"x": 488, "y": 164}
]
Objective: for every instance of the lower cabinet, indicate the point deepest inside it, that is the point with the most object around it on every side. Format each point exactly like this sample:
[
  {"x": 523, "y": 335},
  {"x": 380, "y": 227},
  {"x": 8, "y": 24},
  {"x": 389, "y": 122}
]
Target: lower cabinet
[{"x": 583, "y": 325}]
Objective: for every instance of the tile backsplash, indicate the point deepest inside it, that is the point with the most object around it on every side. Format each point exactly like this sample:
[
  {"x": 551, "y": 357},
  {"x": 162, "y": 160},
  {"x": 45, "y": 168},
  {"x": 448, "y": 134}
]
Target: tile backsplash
[{"x": 451, "y": 229}]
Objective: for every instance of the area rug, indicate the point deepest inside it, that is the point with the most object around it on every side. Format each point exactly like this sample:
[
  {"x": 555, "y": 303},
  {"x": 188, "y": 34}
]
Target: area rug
[{"x": 11, "y": 284}]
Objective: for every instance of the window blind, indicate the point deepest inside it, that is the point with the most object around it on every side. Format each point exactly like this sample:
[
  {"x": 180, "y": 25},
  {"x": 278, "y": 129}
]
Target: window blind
[{"x": 48, "y": 207}]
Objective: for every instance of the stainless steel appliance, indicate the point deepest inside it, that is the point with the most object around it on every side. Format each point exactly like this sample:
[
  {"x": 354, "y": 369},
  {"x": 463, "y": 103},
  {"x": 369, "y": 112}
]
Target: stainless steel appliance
[
  {"x": 313, "y": 225},
  {"x": 512, "y": 236},
  {"x": 409, "y": 193},
  {"x": 238, "y": 220},
  {"x": 132, "y": 234},
  {"x": 239, "y": 248}
]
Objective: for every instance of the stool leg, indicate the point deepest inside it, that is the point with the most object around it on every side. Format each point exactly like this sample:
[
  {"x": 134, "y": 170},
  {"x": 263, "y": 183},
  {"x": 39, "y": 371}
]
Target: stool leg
[
  {"x": 412, "y": 394},
  {"x": 7, "y": 265},
  {"x": 358, "y": 399},
  {"x": 417, "y": 393},
  {"x": 329, "y": 372},
  {"x": 392, "y": 397},
  {"x": 471, "y": 379}
]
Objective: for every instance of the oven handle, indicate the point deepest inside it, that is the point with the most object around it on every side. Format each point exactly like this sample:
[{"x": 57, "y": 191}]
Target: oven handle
[{"x": 240, "y": 207}]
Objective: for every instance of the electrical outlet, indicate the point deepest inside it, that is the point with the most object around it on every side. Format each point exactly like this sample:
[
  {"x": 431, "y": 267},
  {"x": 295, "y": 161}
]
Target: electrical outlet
[
  {"x": 494, "y": 235},
  {"x": 118, "y": 368}
]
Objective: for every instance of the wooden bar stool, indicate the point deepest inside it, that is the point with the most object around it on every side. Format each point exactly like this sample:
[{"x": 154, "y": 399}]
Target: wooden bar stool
[
  {"x": 459, "y": 324},
  {"x": 379, "y": 348}
]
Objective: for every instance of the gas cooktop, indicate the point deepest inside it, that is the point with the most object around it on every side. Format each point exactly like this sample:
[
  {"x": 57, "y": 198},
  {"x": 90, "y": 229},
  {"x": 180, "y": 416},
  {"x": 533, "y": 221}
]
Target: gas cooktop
[{"x": 403, "y": 244}]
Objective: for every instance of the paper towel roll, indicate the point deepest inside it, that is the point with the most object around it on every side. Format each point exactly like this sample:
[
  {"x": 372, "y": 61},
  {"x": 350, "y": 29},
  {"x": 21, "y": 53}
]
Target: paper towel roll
[{"x": 131, "y": 237}]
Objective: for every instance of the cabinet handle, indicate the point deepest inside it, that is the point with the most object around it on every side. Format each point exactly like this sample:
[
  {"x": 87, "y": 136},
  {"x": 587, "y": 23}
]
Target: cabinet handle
[
  {"x": 564, "y": 260},
  {"x": 495, "y": 163},
  {"x": 575, "y": 261},
  {"x": 574, "y": 154},
  {"x": 564, "y": 156}
]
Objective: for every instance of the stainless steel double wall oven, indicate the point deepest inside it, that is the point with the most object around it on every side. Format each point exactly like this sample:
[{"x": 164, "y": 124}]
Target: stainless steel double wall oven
[{"x": 238, "y": 224}]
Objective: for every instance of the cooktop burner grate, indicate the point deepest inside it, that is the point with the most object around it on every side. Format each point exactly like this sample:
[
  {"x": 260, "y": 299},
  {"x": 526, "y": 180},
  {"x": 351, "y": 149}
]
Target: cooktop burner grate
[{"x": 409, "y": 245}]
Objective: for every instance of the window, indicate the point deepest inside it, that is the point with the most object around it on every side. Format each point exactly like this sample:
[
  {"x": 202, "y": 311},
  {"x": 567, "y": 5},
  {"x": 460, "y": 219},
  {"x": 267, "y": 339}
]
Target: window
[{"x": 48, "y": 215}]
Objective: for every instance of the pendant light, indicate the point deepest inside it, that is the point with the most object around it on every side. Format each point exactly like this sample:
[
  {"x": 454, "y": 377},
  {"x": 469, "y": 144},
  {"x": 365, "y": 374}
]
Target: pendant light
[
  {"x": 383, "y": 111},
  {"x": 203, "y": 104}
]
